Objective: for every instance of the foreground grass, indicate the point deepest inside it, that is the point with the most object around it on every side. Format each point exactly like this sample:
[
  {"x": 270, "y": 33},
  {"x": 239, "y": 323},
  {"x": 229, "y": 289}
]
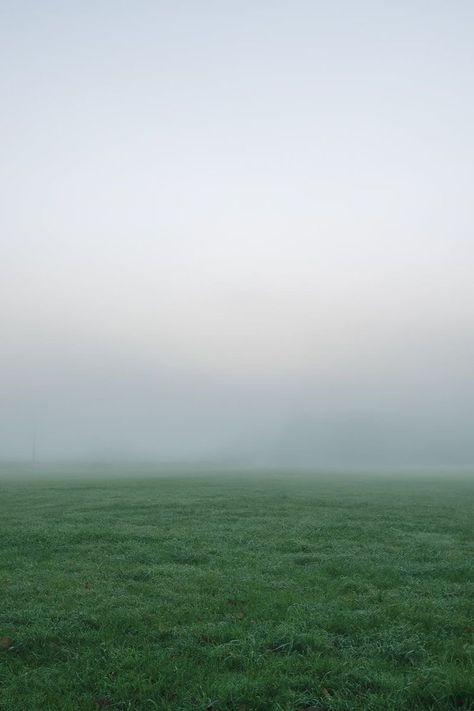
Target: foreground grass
[{"x": 246, "y": 594}]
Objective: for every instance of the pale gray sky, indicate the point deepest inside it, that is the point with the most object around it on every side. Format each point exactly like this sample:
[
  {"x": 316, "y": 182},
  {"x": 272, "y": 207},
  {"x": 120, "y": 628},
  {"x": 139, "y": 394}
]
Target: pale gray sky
[{"x": 238, "y": 228}]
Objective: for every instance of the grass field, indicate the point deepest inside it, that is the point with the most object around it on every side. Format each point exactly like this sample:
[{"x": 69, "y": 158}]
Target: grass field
[{"x": 236, "y": 593}]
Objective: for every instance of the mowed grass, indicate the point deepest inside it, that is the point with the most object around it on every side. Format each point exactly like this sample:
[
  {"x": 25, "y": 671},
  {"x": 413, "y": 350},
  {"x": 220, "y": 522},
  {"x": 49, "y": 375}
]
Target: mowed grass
[{"x": 244, "y": 593}]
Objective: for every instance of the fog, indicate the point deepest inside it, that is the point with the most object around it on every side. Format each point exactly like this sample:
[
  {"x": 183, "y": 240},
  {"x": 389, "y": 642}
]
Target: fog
[{"x": 238, "y": 233}]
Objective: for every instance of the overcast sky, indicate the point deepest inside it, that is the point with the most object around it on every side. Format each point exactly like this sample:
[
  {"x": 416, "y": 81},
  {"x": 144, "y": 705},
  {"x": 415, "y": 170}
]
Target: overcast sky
[{"x": 238, "y": 229}]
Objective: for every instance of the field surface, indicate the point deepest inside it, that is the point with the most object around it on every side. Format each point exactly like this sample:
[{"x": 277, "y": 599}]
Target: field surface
[{"x": 240, "y": 593}]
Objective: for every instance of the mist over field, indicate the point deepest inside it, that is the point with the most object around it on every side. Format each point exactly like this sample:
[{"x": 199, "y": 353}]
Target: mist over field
[
  {"x": 236, "y": 355},
  {"x": 238, "y": 232}
]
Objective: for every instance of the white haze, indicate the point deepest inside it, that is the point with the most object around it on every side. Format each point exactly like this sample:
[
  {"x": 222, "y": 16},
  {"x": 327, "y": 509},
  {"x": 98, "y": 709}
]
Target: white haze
[{"x": 238, "y": 231}]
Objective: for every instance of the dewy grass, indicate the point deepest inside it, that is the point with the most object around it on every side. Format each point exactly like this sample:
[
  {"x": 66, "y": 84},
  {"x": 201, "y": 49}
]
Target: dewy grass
[{"x": 246, "y": 593}]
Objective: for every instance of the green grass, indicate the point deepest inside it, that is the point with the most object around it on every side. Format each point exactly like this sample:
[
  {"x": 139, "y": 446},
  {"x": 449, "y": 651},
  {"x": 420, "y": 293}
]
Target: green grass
[{"x": 236, "y": 593}]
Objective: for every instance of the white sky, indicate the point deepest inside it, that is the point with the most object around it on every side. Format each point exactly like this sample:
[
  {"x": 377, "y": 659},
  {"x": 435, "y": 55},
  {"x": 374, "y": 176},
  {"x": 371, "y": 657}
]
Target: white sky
[{"x": 221, "y": 218}]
